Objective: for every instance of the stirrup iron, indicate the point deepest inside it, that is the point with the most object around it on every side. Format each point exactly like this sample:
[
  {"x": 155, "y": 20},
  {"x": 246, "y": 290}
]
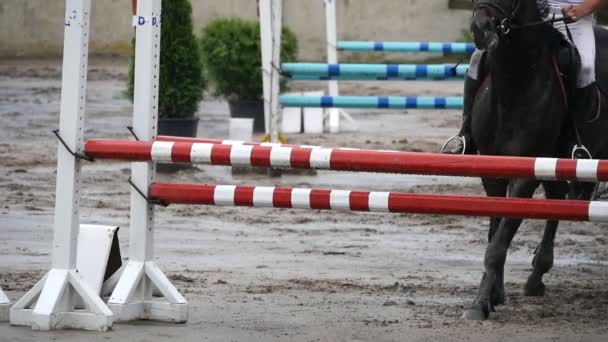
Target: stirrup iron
[
  {"x": 456, "y": 137},
  {"x": 600, "y": 193},
  {"x": 582, "y": 149}
]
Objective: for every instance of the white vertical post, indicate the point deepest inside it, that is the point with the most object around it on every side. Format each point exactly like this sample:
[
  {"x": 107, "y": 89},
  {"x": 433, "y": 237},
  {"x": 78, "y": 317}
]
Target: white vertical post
[
  {"x": 132, "y": 297},
  {"x": 5, "y": 304},
  {"x": 332, "y": 58},
  {"x": 57, "y": 293},
  {"x": 145, "y": 118},
  {"x": 271, "y": 25},
  {"x": 277, "y": 28},
  {"x": 266, "y": 45}
]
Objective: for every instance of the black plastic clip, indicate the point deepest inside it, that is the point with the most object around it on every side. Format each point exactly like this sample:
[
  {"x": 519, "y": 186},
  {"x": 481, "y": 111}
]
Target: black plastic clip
[
  {"x": 130, "y": 128},
  {"x": 74, "y": 154},
  {"x": 148, "y": 200},
  {"x": 454, "y": 68},
  {"x": 281, "y": 72}
]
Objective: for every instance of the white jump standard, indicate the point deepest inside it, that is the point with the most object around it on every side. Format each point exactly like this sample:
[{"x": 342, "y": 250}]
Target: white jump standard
[
  {"x": 50, "y": 304},
  {"x": 132, "y": 298}
]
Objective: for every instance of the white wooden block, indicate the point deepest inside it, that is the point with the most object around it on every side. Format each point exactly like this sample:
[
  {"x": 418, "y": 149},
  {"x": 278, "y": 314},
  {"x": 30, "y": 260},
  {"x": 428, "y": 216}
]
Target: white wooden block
[
  {"x": 292, "y": 118},
  {"x": 94, "y": 245},
  {"x": 241, "y": 129},
  {"x": 313, "y": 117}
]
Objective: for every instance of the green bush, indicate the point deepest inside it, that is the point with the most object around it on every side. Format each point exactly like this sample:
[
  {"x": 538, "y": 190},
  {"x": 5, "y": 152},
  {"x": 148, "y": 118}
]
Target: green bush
[
  {"x": 182, "y": 80},
  {"x": 231, "y": 50}
]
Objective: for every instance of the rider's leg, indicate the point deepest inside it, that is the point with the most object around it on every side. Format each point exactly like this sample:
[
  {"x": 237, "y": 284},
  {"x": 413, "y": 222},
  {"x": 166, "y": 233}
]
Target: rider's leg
[
  {"x": 583, "y": 38},
  {"x": 472, "y": 82}
]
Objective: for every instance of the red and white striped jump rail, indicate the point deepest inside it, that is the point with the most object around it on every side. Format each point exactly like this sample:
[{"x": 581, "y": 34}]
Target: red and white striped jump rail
[
  {"x": 270, "y": 197},
  {"x": 215, "y": 152}
]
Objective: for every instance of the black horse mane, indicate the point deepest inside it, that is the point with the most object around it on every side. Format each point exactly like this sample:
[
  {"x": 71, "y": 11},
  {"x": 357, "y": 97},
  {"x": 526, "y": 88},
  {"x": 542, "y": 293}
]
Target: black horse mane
[
  {"x": 543, "y": 8},
  {"x": 549, "y": 35}
]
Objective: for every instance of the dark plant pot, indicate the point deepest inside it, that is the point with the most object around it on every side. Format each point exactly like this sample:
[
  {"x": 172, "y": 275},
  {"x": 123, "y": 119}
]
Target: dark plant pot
[
  {"x": 249, "y": 109},
  {"x": 178, "y": 128}
]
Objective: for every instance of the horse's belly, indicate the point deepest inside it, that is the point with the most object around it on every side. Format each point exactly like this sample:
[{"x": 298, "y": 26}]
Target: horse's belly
[{"x": 514, "y": 134}]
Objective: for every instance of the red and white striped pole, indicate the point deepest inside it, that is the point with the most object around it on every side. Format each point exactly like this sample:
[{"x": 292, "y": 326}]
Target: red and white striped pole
[
  {"x": 167, "y": 138},
  {"x": 271, "y": 197},
  {"x": 340, "y": 159}
]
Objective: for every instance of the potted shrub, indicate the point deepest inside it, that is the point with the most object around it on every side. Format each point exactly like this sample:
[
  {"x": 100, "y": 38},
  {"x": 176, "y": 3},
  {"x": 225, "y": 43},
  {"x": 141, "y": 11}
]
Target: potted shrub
[
  {"x": 231, "y": 50},
  {"x": 182, "y": 81}
]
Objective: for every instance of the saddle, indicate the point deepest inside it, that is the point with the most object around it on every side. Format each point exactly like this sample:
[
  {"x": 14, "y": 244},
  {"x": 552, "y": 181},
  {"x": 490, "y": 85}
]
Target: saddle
[
  {"x": 581, "y": 104},
  {"x": 568, "y": 62}
]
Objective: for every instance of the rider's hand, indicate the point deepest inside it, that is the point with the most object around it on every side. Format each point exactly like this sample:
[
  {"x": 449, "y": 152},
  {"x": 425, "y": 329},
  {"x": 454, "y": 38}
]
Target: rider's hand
[
  {"x": 571, "y": 13},
  {"x": 574, "y": 13}
]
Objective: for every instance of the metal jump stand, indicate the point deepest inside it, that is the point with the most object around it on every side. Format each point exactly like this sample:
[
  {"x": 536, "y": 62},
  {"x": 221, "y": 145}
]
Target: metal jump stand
[{"x": 52, "y": 302}]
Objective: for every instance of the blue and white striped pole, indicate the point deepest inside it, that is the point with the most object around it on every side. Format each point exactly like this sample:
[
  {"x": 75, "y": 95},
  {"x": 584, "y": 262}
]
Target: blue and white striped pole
[
  {"x": 392, "y": 102},
  {"x": 406, "y": 46},
  {"x": 318, "y": 71}
]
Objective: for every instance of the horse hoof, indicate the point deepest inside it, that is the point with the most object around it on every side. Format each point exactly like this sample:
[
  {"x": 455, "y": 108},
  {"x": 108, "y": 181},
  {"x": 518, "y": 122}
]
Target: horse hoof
[
  {"x": 534, "y": 290},
  {"x": 498, "y": 299},
  {"x": 479, "y": 311},
  {"x": 474, "y": 314}
]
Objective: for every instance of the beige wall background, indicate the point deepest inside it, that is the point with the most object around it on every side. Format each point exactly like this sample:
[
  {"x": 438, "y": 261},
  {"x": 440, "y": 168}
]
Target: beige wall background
[{"x": 34, "y": 28}]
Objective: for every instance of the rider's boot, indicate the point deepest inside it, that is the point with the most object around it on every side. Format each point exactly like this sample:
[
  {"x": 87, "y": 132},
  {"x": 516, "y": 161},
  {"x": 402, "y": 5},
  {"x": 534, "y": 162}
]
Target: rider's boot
[
  {"x": 581, "y": 105},
  {"x": 463, "y": 142}
]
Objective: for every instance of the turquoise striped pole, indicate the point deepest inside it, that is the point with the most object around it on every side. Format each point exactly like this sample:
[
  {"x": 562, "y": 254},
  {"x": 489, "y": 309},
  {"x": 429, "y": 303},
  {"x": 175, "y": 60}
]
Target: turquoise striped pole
[
  {"x": 352, "y": 72},
  {"x": 393, "y": 102},
  {"x": 406, "y": 46}
]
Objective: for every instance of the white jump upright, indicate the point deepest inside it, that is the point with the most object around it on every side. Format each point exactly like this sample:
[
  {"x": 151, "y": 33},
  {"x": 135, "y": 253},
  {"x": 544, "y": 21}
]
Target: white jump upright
[
  {"x": 331, "y": 33},
  {"x": 51, "y": 303},
  {"x": 271, "y": 16},
  {"x": 134, "y": 296},
  {"x": 332, "y": 58}
]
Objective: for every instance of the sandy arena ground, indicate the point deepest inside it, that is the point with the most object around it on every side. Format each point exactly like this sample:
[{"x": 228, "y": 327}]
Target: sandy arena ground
[{"x": 277, "y": 275}]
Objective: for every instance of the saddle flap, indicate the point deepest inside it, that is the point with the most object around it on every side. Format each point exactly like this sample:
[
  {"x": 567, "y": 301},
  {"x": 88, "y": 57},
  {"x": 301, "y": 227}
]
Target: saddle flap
[{"x": 569, "y": 63}]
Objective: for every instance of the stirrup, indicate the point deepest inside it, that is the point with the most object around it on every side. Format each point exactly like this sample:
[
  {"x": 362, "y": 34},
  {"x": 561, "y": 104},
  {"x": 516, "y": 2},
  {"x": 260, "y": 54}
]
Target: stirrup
[
  {"x": 584, "y": 151},
  {"x": 600, "y": 193},
  {"x": 456, "y": 137}
]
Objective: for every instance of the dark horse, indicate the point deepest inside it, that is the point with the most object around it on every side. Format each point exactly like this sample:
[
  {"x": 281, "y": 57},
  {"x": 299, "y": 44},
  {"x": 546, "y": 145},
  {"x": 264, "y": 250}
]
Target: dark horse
[{"x": 521, "y": 110}]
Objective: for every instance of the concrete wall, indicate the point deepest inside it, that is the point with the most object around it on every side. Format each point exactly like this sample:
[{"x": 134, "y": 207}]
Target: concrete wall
[{"x": 34, "y": 28}]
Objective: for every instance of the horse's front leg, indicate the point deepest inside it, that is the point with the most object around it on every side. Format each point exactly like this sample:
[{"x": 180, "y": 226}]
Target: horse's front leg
[
  {"x": 495, "y": 187},
  {"x": 496, "y": 255},
  {"x": 543, "y": 258}
]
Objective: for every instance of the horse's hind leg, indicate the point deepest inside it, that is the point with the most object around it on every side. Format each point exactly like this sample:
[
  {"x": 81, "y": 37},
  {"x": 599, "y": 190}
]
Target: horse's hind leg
[
  {"x": 543, "y": 258},
  {"x": 496, "y": 253},
  {"x": 496, "y": 188}
]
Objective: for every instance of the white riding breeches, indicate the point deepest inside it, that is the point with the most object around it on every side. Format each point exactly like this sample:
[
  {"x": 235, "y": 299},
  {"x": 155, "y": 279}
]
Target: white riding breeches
[{"x": 583, "y": 38}]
